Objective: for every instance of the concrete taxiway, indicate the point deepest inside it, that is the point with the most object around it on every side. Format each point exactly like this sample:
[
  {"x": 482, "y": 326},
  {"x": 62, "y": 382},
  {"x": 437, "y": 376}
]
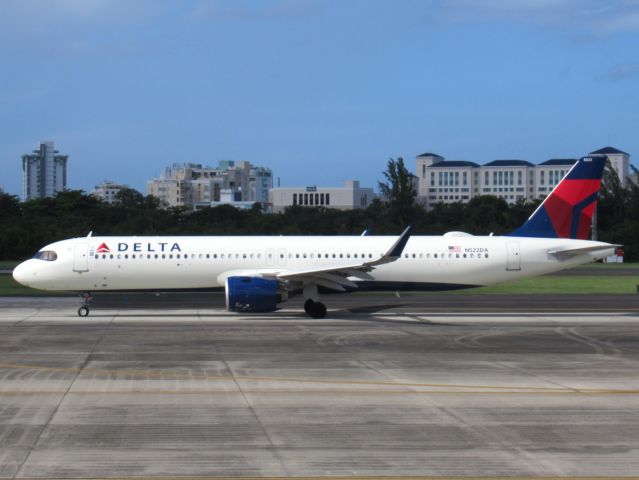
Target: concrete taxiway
[{"x": 414, "y": 387}]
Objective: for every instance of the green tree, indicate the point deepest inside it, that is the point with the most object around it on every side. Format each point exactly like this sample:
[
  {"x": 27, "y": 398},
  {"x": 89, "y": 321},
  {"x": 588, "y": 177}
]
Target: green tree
[
  {"x": 130, "y": 198},
  {"x": 399, "y": 193}
]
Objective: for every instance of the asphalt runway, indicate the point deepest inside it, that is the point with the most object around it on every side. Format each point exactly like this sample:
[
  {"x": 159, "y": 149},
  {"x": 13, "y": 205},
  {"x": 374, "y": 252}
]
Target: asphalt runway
[{"x": 430, "y": 386}]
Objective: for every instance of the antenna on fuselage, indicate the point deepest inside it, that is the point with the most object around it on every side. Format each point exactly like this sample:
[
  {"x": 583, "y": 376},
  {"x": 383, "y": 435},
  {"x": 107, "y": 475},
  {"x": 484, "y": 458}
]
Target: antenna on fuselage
[{"x": 90, "y": 234}]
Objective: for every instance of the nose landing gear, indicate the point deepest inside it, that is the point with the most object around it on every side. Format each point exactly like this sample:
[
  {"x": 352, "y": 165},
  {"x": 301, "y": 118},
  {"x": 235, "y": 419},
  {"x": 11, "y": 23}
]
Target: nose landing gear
[{"x": 83, "y": 311}]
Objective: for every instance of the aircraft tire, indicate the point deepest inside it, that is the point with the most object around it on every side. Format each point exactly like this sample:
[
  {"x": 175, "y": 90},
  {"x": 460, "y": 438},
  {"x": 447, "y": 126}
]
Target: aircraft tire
[
  {"x": 317, "y": 310},
  {"x": 308, "y": 304},
  {"x": 83, "y": 311}
]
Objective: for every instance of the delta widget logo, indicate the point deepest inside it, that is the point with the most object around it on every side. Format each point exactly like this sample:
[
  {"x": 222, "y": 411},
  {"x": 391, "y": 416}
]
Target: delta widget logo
[{"x": 103, "y": 248}]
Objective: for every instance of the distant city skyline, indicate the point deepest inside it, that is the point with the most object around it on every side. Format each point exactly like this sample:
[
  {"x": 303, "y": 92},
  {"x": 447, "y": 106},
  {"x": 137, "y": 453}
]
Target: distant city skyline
[{"x": 320, "y": 91}]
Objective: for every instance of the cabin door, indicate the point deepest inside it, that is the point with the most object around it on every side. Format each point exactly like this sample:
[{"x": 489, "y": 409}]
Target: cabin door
[
  {"x": 81, "y": 257},
  {"x": 513, "y": 261}
]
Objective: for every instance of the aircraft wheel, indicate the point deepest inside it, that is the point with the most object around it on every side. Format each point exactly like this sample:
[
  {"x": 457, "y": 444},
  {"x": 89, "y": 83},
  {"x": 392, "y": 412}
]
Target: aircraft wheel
[
  {"x": 308, "y": 304},
  {"x": 317, "y": 310},
  {"x": 83, "y": 311}
]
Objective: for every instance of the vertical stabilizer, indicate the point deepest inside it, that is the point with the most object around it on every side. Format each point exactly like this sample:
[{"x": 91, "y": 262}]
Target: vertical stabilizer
[{"x": 567, "y": 212}]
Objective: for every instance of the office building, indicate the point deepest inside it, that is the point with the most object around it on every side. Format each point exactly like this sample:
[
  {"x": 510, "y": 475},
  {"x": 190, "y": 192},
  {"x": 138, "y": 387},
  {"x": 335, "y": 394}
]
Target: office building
[
  {"x": 107, "y": 191},
  {"x": 619, "y": 160},
  {"x": 44, "y": 172},
  {"x": 348, "y": 197},
  {"x": 194, "y": 186},
  {"x": 449, "y": 181}
]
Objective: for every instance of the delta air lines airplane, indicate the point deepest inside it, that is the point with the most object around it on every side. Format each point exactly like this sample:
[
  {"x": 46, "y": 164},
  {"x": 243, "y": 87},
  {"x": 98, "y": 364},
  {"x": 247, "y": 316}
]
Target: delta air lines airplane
[{"x": 259, "y": 272}]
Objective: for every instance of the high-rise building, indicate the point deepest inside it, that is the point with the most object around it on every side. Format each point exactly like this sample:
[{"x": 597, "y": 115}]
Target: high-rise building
[
  {"x": 195, "y": 186},
  {"x": 44, "y": 172}
]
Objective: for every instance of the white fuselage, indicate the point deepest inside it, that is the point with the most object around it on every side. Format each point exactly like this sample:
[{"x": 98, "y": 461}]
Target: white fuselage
[{"x": 166, "y": 263}]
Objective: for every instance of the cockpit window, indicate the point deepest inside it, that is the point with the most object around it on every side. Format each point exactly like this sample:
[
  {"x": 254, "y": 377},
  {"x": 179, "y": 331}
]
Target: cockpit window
[{"x": 47, "y": 255}]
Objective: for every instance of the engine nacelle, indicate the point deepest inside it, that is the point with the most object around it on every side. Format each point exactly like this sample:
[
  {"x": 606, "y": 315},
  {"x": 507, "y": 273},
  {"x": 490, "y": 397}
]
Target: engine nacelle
[{"x": 252, "y": 294}]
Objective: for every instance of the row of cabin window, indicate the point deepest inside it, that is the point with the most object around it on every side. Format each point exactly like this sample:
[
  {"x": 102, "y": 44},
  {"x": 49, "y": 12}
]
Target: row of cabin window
[
  {"x": 443, "y": 255},
  {"x": 185, "y": 256}
]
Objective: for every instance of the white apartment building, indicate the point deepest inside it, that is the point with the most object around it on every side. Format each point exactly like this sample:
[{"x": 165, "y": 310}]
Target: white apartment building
[
  {"x": 107, "y": 191},
  {"x": 512, "y": 180},
  {"x": 450, "y": 181},
  {"x": 348, "y": 197},
  {"x": 195, "y": 186},
  {"x": 44, "y": 172},
  {"x": 619, "y": 160}
]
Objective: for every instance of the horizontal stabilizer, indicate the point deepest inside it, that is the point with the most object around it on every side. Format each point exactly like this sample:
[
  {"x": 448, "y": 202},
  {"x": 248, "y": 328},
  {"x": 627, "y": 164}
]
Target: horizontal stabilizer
[{"x": 571, "y": 252}]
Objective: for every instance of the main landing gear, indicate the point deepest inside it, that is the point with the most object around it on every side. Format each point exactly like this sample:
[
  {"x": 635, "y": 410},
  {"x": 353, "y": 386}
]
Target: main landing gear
[
  {"x": 83, "y": 311},
  {"x": 315, "y": 309},
  {"x": 312, "y": 306}
]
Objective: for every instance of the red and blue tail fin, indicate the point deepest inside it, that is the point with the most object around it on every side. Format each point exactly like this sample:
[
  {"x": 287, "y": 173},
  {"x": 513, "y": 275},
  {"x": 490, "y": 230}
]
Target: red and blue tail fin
[{"x": 567, "y": 212}]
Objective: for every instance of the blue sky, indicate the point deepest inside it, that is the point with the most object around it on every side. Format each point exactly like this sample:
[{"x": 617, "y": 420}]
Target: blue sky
[{"x": 320, "y": 91}]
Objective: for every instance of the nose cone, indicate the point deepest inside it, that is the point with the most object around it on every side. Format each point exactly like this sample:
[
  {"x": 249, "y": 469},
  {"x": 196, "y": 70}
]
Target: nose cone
[{"x": 23, "y": 273}]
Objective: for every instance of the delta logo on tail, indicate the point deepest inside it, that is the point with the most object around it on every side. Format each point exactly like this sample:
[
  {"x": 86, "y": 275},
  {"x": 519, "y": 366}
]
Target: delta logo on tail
[
  {"x": 567, "y": 212},
  {"x": 103, "y": 248}
]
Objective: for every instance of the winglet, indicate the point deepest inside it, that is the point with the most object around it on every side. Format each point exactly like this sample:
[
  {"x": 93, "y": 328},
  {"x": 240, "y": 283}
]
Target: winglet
[{"x": 397, "y": 249}]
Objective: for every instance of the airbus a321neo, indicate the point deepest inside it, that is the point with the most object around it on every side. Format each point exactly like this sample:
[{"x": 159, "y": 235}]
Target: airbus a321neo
[{"x": 258, "y": 273}]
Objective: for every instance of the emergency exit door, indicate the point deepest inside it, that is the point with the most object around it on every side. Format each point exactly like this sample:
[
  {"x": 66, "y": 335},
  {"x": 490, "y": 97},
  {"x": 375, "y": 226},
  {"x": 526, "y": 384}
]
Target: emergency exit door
[{"x": 513, "y": 261}]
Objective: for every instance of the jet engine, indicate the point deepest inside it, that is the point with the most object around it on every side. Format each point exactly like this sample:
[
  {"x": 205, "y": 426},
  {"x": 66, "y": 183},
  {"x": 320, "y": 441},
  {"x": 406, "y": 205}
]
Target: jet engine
[{"x": 253, "y": 294}]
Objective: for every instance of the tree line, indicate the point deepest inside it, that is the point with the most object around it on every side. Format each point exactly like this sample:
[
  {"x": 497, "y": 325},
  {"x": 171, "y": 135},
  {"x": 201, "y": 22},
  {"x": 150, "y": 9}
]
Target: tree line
[{"x": 27, "y": 226}]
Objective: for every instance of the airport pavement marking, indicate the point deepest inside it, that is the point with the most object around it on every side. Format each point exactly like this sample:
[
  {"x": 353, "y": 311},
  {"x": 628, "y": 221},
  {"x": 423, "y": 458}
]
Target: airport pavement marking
[
  {"x": 469, "y": 389},
  {"x": 7, "y": 393},
  {"x": 329, "y": 477}
]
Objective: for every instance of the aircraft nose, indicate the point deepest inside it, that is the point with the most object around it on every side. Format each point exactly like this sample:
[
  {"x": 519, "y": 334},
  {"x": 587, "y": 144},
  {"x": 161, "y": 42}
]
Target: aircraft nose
[{"x": 22, "y": 273}]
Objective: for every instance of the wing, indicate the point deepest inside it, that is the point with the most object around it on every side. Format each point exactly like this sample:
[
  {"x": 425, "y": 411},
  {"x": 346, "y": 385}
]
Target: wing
[
  {"x": 336, "y": 276},
  {"x": 333, "y": 276}
]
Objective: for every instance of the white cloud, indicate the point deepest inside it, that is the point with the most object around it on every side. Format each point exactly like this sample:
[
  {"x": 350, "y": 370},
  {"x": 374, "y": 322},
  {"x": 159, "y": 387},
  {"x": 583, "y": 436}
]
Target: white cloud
[
  {"x": 222, "y": 10},
  {"x": 622, "y": 71},
  {"x": 583, "y": 18}
]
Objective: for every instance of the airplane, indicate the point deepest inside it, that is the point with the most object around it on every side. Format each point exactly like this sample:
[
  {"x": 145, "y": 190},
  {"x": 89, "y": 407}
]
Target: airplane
[{"x": 260, "y": 272}]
